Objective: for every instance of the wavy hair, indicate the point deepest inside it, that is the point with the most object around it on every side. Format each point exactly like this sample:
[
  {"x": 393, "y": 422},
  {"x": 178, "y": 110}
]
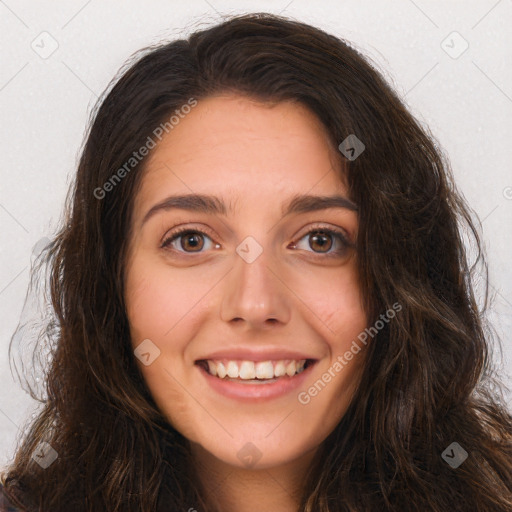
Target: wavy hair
[{"x": 428, "y": 381}]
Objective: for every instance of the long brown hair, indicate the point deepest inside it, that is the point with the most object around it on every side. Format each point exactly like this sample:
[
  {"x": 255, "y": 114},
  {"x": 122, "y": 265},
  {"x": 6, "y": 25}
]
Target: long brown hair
[{"x": 427, "y": 380}]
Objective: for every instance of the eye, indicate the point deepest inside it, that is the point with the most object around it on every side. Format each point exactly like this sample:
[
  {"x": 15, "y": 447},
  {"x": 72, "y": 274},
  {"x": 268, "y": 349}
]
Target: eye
[
  {"x": 187, "y": 240},
  {"x": 322, "y": 239}
]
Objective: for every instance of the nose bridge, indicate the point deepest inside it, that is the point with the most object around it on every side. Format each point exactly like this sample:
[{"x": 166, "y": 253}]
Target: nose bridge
[{"x": 253, "y": 292}]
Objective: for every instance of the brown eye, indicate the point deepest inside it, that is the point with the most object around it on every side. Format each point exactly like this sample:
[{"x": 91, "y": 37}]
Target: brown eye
[
  {"x": 320, "y": 240},
  {"x": 186, "y": 241},
  {"x": 326, "y": 242},
  {"x": 192, "y": 241}
]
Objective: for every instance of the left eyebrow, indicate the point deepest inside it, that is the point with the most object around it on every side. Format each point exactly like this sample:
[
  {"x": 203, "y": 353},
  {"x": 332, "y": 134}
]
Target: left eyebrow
[
  {"x": 307, "y": 203},
  {"x": 213, "y": 205}
]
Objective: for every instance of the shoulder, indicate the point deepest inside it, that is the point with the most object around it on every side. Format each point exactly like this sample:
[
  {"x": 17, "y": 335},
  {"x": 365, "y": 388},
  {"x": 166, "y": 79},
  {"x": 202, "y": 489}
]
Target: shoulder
[{"x": 7, "y": 503}]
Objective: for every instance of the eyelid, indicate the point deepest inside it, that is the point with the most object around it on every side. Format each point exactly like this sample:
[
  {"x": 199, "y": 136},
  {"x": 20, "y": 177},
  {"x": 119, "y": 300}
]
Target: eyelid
[
  {"x": 321, "y": 226},
  {"x": 344, "y": 240},
  {"x": 180, "y": 230}
]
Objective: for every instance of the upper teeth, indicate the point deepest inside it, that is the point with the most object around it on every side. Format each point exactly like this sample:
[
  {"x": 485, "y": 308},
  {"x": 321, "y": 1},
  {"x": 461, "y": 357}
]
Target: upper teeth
[{"x": 255, "y": 370}]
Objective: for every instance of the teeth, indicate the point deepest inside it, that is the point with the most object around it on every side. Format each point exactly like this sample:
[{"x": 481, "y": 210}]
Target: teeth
[
  {"x": 249, "y": 370},
  {"x": 290, "y": 369},
  {"x": 221, "y": 370},
  {"x": 212, "y": 368},
  {"x": 264, "y": 370},
  {"x": 279, "y": 369},
  {"x": 232, "y": 369}
]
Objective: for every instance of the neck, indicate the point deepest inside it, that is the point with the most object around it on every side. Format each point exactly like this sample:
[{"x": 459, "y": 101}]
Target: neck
[{"x": 234, "y": 489}]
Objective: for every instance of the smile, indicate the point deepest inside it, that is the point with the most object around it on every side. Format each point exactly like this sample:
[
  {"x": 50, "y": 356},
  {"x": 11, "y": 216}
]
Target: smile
[
  {"x": 253, "y": 370},
  {"x": 255, "y": 380}
]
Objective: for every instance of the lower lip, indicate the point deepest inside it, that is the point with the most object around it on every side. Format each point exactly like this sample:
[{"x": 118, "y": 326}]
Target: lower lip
[{"x": 256, "y": 392}]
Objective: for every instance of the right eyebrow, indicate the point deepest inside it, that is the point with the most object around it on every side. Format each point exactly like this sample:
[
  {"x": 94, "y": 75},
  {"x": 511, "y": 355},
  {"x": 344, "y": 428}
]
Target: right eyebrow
[{"x": 299, "y": 203}]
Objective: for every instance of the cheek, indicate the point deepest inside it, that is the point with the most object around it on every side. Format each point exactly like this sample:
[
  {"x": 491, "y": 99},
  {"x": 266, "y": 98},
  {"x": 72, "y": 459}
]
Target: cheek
[
  {"x": 164, "y": 308},
  {"x": 158, "y": 302},
  {"x": 335, "y": 302},
  {"x": 347, "y": 321}
]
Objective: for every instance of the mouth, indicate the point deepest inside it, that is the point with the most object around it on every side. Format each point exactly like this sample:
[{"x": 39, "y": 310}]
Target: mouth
[
  {"x": 251, "y": 382},
  {"x": 254, "y": 372}
]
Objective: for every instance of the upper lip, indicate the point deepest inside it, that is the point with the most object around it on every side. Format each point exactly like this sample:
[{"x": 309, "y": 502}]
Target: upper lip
[{"x": 256, "y": 355}]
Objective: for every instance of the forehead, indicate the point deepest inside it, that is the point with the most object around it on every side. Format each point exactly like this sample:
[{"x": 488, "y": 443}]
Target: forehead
[{"x": 245, "y": 150}]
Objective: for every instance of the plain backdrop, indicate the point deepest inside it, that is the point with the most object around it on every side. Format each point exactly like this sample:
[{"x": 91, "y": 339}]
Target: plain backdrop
[{"x": 450, "y": 61}]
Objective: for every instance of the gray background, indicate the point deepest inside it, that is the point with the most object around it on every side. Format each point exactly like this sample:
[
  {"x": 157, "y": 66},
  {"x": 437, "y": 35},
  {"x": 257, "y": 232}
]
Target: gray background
[{"x": 465, "y": 99}]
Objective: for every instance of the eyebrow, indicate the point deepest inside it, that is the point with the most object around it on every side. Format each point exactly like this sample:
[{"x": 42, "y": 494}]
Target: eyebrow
[{"x": 213, "y": 205}]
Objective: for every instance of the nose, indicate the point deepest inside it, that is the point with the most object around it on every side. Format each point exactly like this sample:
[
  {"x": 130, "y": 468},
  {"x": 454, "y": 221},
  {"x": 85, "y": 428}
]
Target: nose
[{"x": 255, "y": 295}]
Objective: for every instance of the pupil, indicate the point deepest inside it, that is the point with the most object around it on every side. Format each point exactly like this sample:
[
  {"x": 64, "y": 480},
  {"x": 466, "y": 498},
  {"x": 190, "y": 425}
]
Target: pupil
[
  {"x": 192, "y": 239},
  {"x": 317, "y": 237}
]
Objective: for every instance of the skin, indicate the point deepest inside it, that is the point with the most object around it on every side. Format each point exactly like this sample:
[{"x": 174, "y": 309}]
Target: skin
[{"x": 189, "y": 302}]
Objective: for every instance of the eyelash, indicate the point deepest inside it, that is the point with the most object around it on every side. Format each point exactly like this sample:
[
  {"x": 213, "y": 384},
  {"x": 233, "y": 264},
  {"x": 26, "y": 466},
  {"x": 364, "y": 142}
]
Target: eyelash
[{"x": 178, "y": 233}]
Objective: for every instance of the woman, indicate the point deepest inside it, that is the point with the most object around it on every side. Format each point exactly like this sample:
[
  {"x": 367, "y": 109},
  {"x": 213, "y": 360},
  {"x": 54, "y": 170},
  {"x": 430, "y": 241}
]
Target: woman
[{"x": 263, "y": 297}]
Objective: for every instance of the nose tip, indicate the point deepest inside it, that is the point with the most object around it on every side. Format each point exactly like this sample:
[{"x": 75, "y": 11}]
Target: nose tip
[{"x": 254, "y": 294}]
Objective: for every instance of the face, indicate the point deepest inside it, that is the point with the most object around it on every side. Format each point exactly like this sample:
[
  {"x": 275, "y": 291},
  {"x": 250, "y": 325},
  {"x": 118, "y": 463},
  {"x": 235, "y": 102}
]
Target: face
[{"x": 250, "y": 279}]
